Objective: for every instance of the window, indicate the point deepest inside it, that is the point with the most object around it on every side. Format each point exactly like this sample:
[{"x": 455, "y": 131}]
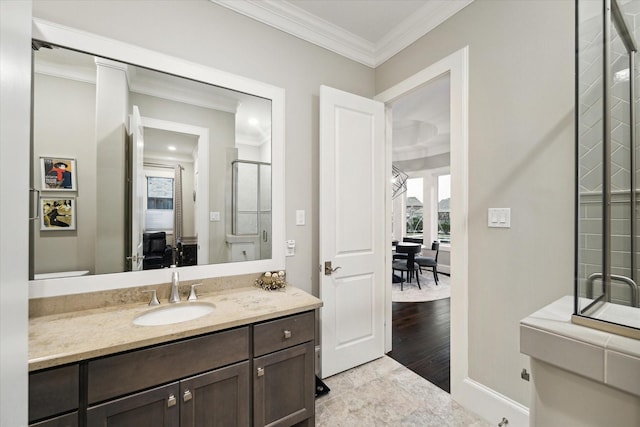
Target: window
[
  {"x": 444, "y": 208},
  {"x": 159, "y": 212},
  {"x": 415, "y": 217}
]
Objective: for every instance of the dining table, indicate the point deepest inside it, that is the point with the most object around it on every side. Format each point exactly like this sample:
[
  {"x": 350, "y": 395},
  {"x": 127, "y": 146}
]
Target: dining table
[{"x": 411, "y": 249}]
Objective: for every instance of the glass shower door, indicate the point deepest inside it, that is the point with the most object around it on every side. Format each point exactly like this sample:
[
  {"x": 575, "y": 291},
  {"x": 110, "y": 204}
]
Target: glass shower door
[{"x": 606, "y": 248}]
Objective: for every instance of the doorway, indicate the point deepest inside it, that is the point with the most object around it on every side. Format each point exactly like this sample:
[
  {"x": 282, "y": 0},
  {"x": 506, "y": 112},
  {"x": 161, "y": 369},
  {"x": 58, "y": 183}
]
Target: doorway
[
  {"x": 421, "y": 210},
  {"x": 456, "y": 66}
]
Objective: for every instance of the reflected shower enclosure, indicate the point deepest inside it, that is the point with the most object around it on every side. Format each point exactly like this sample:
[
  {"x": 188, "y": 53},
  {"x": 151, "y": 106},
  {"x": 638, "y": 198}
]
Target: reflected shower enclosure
[
  {"x": 606, "y": 294},
  {"x": 251, "y": 209}
]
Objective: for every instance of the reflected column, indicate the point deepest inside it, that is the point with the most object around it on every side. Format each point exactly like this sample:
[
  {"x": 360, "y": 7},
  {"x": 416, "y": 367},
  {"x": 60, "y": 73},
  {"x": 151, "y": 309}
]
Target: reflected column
[{"x": 112, "y": 100}]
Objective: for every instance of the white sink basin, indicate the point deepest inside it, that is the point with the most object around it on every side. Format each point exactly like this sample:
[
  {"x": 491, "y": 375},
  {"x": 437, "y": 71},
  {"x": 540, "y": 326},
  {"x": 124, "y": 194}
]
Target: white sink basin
[{"x": 174, "y": 313}]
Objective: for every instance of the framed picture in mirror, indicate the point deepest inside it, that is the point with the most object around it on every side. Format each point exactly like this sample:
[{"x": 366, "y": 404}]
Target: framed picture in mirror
[
  {"x": 57, "y": 213},
  {"x": 58, "y": 174}
]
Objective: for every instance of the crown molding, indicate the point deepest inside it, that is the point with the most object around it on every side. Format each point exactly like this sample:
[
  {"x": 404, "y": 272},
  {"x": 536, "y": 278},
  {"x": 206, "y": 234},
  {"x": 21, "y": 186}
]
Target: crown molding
[
  {"x": 415, "y": 26},
  {"x": 304, "y": 25}
]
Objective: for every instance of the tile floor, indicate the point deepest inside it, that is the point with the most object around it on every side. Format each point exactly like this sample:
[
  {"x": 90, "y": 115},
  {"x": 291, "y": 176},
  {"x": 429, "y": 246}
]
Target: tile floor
[{"x": 385, "y": 393}]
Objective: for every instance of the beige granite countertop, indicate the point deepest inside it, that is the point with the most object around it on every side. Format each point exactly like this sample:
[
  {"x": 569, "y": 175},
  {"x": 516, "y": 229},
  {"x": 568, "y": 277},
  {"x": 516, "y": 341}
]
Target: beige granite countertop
[{"x": 62, "y": 338}]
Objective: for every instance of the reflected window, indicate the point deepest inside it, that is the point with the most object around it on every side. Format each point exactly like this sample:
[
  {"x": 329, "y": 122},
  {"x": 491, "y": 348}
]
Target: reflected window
[
  {"x": 159, "y": 213},
  {"x": 415, "y": 213},
  {"x": 444, "y": 208}
]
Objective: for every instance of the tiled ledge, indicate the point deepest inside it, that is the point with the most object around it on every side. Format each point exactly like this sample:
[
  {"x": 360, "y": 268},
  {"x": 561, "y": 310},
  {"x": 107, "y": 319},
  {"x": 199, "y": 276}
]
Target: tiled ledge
[{"x": 550, "y": 336}]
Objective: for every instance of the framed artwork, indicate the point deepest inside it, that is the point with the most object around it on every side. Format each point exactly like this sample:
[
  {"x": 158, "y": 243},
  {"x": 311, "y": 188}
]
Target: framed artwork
[
  {"x": 57, "y": 213},
  {"x": 58, "y": 174}
]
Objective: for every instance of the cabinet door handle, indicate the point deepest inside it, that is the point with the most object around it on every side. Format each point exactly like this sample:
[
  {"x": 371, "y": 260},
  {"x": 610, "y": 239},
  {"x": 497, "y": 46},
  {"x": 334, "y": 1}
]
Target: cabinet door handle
[
  {"x": 187, "y": 396},
  {"x": 287, "y": 334},
  {"x": 171, "y": 401},
  {"x": 260, "y": 372}
]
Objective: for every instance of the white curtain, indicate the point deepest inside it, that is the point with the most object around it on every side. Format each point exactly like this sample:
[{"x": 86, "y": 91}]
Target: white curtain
[{"x": 177, "y": 203}]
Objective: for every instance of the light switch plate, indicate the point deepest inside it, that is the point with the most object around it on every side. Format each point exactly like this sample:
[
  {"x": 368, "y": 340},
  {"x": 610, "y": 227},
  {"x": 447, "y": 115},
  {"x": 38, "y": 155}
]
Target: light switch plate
[
  {"x": 291, "y": 248},
  {"x": 214, "y": 216},
  {"x": 300, "y": 217},
  {"x": 499, "y": 217}
]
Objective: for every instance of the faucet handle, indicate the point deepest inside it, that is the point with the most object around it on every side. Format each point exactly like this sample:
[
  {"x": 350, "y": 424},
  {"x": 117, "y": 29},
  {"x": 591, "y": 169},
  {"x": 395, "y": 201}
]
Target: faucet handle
[
  {"x": 192, "y": 294},
  {"x": 154, "y": 297}
]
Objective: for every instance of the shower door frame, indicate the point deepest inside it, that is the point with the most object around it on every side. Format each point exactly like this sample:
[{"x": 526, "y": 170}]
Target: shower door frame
[{"x": 612, "y": 15}]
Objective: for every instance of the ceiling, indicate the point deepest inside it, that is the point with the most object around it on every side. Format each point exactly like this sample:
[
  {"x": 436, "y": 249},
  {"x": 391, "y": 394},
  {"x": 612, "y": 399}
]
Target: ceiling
[{"x": 370, "y": 32}]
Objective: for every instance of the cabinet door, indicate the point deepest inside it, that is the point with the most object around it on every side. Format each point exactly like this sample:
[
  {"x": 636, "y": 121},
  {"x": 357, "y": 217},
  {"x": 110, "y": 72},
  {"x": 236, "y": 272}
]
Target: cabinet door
[
  {"x": 284, "y": 382},
  {"x": 216, "y": 399},
  {"x": 157, "y": 407}
]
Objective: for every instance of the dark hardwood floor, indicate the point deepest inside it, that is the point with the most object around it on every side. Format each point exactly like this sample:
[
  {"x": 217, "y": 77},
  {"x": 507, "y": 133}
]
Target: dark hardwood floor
[{"x": 421, "y": 339}]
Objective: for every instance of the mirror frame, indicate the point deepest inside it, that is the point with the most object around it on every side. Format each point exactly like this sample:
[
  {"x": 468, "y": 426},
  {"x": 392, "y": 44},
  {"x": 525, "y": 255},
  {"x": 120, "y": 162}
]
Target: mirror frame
[{"x": 123, "y": 52}]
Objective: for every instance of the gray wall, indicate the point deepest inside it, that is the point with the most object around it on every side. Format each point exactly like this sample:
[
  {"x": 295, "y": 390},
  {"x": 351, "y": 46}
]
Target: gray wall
[
  {"x": 203, "y": 32},
  {"x": 520, "y": 156}
]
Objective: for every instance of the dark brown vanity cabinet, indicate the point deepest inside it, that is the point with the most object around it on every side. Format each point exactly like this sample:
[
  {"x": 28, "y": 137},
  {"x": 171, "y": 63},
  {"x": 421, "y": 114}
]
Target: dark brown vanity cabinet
[
  {"x": 203, "y": 381},
  {"x": 284, "y": 380}
]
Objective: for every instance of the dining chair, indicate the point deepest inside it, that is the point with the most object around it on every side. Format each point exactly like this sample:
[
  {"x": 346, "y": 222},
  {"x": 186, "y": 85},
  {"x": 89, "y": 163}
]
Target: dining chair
[{"x": 430, "y": 262}]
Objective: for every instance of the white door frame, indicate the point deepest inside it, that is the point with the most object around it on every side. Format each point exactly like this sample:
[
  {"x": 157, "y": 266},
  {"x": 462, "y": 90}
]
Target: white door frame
[{"x": 457, "y": 65}]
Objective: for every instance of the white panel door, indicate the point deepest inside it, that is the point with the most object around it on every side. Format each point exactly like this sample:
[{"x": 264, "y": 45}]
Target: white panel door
[
  {"x": 137, "y": 189},
  {"x": 352, "y": 209}
]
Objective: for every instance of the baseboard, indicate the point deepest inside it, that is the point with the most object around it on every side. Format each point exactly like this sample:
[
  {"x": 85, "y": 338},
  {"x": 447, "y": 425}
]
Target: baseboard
[
  {"x": 446, "y": 269},
  {"x": 491, "y": 405}
]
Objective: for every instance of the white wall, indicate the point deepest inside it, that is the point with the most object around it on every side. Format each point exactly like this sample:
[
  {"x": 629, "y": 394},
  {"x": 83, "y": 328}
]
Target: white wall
[
  {"x": 521, "y": 152},
  {"x": 15, "y": 86}
]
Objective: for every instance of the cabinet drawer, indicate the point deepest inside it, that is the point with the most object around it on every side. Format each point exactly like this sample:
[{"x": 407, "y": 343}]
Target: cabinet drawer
[
  {"x": 129, "y": 372},
  {"x": 53, "y": 392},
  {"x": 69, "y": 420},
  {"x": 282, "y": 333}
]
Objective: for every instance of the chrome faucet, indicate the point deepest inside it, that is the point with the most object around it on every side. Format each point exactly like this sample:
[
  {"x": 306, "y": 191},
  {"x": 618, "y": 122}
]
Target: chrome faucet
[{"x": 175, "y": 283}]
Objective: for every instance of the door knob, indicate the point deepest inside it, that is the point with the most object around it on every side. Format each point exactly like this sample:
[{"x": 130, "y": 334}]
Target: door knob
[{"x": 328, "y": 270}]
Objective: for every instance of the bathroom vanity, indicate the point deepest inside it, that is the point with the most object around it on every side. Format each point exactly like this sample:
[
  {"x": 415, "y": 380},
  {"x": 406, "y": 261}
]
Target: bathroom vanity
[{"x": 249, "y": 362}]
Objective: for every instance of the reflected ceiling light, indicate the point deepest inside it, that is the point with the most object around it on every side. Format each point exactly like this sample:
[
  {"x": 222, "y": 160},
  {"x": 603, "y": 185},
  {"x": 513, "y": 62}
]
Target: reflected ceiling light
[
  {"x": 172, "y": 148},
  {"x": 253, "y": 121}
]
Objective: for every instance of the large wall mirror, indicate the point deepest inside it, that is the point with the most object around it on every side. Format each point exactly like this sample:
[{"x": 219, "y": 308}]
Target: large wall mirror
[{"x": 142, "y": 162}]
